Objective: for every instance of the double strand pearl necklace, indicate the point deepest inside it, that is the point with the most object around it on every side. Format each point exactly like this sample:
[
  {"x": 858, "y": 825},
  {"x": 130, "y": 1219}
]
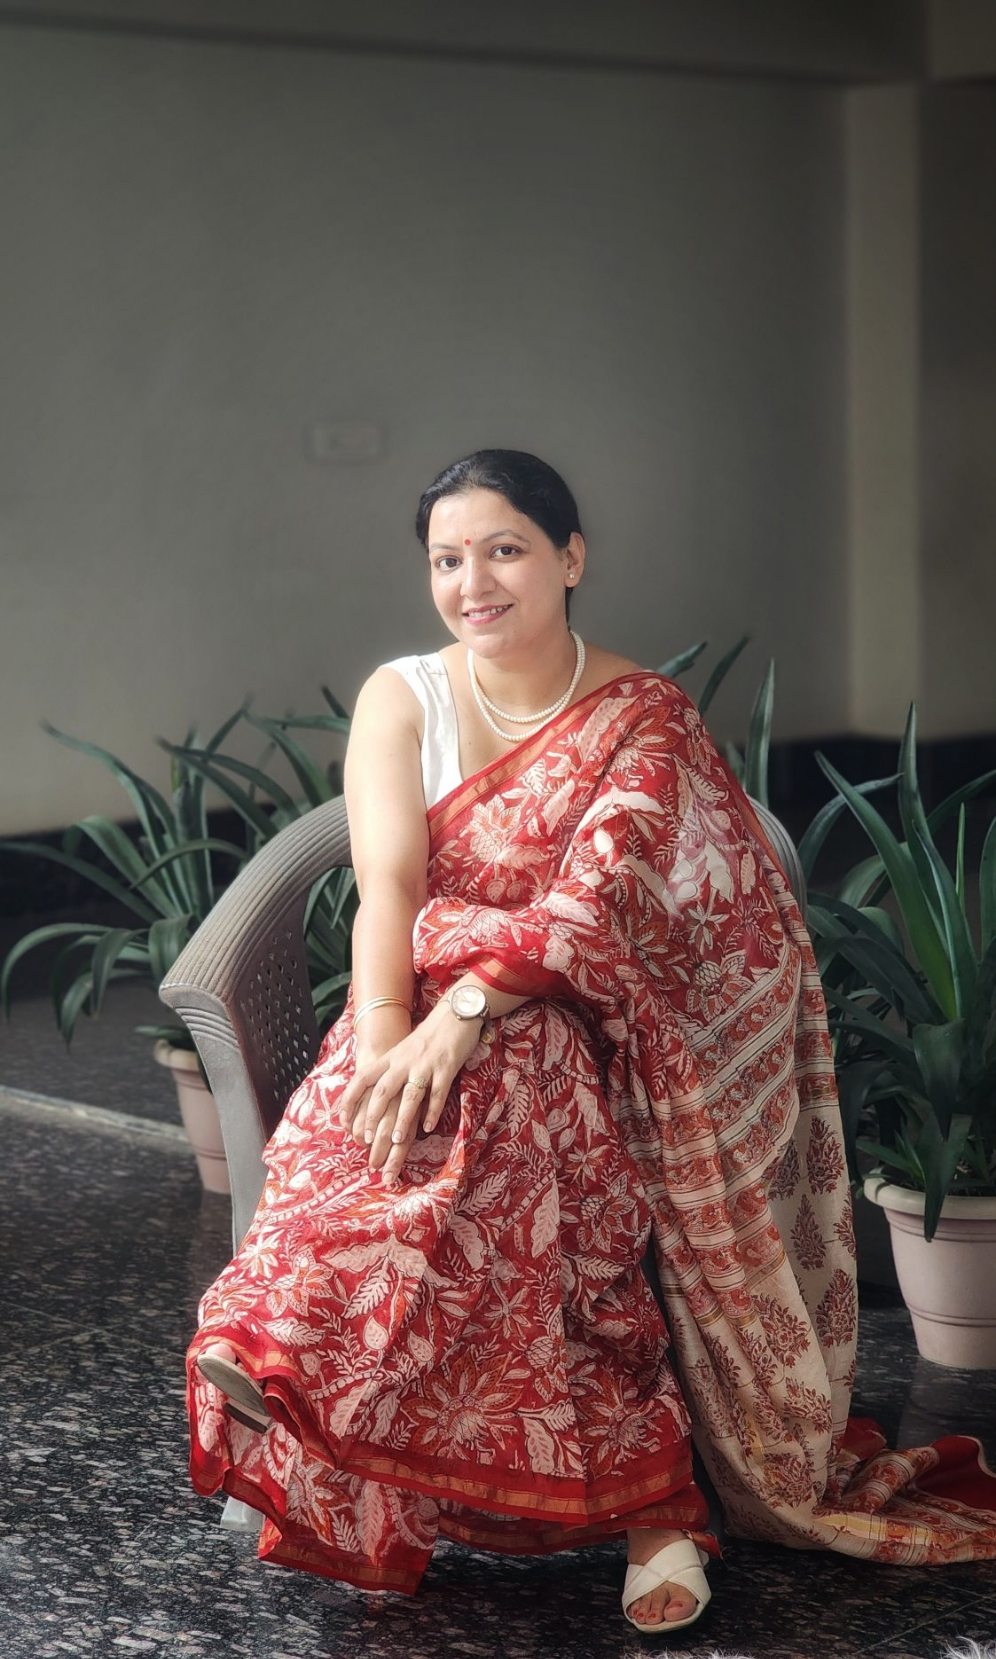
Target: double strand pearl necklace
[{"x": 484, "y": 702}]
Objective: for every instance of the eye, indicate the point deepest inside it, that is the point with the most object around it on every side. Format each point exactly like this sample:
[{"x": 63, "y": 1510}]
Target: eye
[
  {"x": 446, "y": 562},
  {"x": 506, "y": 547}
]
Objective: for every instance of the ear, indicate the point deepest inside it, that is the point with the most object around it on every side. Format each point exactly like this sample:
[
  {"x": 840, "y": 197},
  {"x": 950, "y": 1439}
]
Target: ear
[{"x": 574, "y": 559}]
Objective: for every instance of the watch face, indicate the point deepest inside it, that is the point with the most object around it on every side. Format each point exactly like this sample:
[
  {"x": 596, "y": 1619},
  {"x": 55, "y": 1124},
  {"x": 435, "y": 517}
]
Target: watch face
[{"x": 469, "y": 1002}]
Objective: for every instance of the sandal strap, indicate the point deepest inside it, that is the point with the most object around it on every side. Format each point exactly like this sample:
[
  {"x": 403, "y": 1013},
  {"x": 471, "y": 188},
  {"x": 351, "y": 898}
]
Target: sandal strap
[{"x": 679, "y": 1562}]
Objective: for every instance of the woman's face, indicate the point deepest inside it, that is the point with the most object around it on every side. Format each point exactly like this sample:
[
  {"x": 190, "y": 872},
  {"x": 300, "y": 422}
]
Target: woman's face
[{"x": 497, "y": 579}]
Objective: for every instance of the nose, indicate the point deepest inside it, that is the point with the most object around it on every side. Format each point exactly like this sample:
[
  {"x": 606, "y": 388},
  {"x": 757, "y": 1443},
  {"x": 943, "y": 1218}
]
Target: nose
[{"x": 477, "y": 577}]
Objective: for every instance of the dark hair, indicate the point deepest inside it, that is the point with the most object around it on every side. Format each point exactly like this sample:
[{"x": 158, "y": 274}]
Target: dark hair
[{"x": 526, "y": 482}]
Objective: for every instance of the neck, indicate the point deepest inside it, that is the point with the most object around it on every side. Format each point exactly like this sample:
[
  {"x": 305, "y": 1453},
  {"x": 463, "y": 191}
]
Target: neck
[{"x": 521, "y": 685}]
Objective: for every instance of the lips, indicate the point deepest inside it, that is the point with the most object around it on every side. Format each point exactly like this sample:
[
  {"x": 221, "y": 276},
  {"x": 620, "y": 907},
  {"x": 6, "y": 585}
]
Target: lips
[{"x": 487, "y": 614}]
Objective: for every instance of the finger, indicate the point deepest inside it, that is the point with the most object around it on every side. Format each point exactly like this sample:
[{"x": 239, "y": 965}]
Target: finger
[
  {"x": 436, "y": 1103},
  {"x": 409, "y": 1114},
  {"x": 396, "y": 1160},
  {"x": 383, "y": 1098},
  {"x": 381, "y": 1145},
  {"x": 354, "y": 1091}
]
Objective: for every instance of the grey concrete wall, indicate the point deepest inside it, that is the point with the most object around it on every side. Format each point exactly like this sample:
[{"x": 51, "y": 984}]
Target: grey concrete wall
[
  {"x": 210, "y": 250},
  {"x": 958, "y": 407}
]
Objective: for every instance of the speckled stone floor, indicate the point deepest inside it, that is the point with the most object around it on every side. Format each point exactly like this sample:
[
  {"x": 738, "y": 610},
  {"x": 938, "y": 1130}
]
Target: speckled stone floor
[{"x": 108, "y": 1241}]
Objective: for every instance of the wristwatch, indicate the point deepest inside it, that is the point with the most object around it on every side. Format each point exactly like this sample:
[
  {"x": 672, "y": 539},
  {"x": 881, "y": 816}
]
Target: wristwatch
[{"x": 469, "y": 1002}]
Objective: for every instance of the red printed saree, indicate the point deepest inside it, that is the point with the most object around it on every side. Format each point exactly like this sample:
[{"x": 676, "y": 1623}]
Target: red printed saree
[{"x": 476, "y": 1352}]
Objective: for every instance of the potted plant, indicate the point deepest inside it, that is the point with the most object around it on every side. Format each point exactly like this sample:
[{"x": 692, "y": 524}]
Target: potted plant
[
  {"x": 912, "y": 1002},
  {"x": 167, "y": 879}
]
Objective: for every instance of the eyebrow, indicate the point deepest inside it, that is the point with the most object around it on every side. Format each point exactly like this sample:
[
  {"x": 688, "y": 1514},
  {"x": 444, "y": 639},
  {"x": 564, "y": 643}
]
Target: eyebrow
[{"x": 445, "y": 547}]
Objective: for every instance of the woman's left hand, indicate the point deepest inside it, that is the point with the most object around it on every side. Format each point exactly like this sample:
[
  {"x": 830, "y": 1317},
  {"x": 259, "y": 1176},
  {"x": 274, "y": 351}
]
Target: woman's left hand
[{"x": 383, "y": 1107}]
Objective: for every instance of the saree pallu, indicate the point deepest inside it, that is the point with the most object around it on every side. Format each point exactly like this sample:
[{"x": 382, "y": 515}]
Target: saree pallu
[{"x": 477, "y": 1352}]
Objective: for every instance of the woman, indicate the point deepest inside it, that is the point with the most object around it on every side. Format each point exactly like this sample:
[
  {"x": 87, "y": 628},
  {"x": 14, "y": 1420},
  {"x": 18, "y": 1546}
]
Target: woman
[{"x": 584, "y": 1015}]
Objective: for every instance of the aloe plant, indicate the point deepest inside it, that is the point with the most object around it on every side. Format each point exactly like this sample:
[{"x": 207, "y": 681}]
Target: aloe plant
[
  {"x": 912, "y": 1002},
  {"x": 333, "y": 902},
  {"x": 166, "y": 878}
]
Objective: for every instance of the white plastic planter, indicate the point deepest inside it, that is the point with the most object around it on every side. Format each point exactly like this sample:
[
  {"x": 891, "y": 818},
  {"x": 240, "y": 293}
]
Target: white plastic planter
[
  {"x": 949, "y": 1285},
  {"x": 199, "y": 1114}
]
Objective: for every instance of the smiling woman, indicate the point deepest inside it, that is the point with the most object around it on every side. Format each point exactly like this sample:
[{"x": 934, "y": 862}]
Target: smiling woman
[{"x": 585, "y": 1014}]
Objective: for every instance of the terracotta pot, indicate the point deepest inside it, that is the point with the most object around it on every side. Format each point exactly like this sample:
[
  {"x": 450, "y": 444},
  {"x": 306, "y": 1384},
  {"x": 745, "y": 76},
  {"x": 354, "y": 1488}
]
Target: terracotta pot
[
  {"x": 949, "y": 1285},
  {"x": 199, "y": 1114}
]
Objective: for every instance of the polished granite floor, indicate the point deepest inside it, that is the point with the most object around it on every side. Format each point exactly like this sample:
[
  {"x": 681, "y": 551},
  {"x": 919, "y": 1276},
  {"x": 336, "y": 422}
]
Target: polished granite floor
[{"x": 105, "y": 1551}]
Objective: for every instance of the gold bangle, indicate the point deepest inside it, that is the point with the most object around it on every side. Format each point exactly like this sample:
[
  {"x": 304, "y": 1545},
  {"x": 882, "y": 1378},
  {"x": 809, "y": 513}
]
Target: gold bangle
[{"x": 379, "y": 1002}]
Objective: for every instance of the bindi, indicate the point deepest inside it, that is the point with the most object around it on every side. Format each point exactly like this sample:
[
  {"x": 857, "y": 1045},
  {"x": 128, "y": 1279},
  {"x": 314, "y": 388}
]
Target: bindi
[{"x": 466, "y": 541}]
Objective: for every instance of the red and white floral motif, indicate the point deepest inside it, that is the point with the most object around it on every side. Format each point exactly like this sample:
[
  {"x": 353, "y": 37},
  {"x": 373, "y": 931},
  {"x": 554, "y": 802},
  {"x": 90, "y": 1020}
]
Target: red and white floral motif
[{"x": 810, "y": 1251}]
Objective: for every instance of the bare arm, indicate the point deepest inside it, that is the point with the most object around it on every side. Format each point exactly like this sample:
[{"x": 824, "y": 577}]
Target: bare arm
[{"x": 389, "y": 836}]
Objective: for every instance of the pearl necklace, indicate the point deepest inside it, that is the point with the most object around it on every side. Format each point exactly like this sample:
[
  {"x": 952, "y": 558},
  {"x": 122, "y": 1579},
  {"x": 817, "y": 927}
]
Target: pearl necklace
[{"x": 541, "y": 715}]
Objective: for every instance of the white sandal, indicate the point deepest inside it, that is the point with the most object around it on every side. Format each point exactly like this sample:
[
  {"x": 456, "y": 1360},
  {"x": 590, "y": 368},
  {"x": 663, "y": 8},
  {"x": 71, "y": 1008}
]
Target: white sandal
[
  {"x": 680, "y": 1562},
  {"x": 245, "y": 1397}
]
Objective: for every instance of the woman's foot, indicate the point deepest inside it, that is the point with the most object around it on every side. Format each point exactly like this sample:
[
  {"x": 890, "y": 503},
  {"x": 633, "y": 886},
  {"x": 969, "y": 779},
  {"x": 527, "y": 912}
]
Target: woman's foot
[
  {"x": 221, "y": 1365},
  {"x": 668, "y": 1601}
]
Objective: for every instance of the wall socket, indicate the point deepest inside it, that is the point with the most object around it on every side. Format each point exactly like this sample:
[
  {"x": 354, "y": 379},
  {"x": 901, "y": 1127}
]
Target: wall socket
[{"x": 345, "y": 441}]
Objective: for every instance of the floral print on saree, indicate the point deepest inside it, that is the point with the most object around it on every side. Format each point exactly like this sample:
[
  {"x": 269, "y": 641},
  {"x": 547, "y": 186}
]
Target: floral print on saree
[{"x": 477, "y": 1352}]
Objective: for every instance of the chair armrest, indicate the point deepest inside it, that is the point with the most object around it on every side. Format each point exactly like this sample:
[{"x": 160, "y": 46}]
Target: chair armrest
[{"x": 241, "y": 988}]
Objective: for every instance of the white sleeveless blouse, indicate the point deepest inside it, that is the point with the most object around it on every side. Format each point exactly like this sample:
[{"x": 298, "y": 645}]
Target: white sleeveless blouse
[{"x": 430, "y": 682}]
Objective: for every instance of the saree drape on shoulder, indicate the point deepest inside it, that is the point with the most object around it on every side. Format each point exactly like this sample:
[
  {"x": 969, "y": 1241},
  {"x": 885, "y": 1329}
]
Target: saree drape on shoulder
[{"x": 476, "y": 1352}]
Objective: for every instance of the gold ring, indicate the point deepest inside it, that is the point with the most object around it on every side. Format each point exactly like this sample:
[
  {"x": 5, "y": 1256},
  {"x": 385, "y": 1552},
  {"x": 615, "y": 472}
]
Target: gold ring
[{"x": 419, "y": 1082}]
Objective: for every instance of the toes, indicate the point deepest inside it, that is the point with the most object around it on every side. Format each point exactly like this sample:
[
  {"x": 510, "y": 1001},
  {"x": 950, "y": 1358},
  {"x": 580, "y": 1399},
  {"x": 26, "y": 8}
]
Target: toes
[
  {"x": 681, "y": 1605},
  {"x": 663, "y": 1604}
]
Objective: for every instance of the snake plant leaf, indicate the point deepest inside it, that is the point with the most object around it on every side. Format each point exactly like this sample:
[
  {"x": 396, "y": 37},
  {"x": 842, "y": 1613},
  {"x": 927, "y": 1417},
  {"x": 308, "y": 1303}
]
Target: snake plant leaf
[
  {"x": 247, "y": 808},
  {"x": 940, "y": 1155},
  {"x": 334, "y": 704},
  {"x": 208, "y": 843},
  {"x": 960, "y": 948},
  {"x": 215, "y": 766},
  {"x": 150, "y": 807},
  {"x": 326, "y": 987},
  {"x": 72, "y": 1003},
  {"x": 191, "y": 874},
  {"x": 677, "y": 665},
  {"x": 893, "y": 976},
  {"x": 98, "y": 878},
  {"x": 960, "y": 861},
  {"x": 335, "y": 890},
  {"x": 309, "y": 774},
  {"x": 951, "y": 803},
  {"x": 317, "y": 723},
  {"x": 84, "y": 932},
  {"x": 920, "y": 925},
  {"x": 887, "y": 971},
  {"x": 217, "y": 738},
  {"x": 719, "y": 673},
  {"x": 979, "y": 1062},
  {"x": 854, "y": 1084},
  {"x": 859, "y": 885},
  {"x": 894, "y": 1045},
  {"x": 814, "y": 837},
  {"x": 987, "y": 888},
  {"x": 914, "y": 818},
  {"x": 105, "y": 959},
  {"x": 759, "y": 739},
  {"x": 110, "y": 839},
  {"x": 885, "y": 922},
  {"x": 167, "y": 938},
  {"x": 735, "y": 761},
  {"x": 939, "y": 1050}
]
